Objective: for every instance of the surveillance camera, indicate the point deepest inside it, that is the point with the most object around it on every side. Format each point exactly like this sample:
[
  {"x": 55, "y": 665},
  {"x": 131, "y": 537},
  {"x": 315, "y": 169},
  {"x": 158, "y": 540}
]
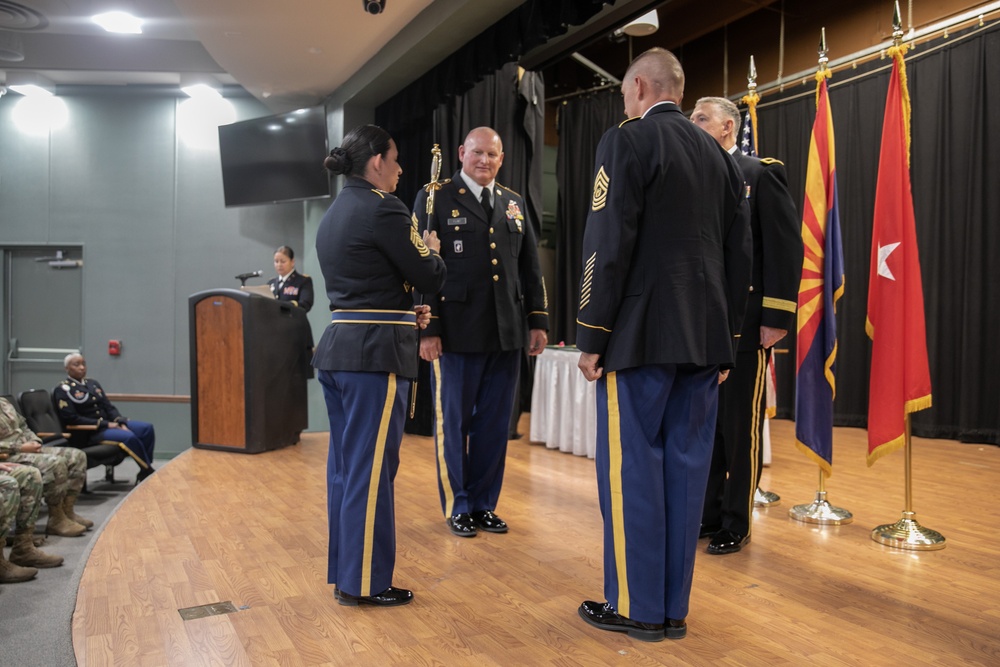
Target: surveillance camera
[{"x": 374, "y": 6}]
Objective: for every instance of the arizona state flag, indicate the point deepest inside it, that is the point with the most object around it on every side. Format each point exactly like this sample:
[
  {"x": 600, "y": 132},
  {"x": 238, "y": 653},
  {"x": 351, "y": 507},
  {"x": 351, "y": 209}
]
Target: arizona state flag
[
  {"x": 900, "y": 377},
  {"x": 821, "y": 287}
]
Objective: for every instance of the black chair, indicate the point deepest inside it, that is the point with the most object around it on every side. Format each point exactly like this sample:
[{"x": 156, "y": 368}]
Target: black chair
[{"x": 36, "y": 406}]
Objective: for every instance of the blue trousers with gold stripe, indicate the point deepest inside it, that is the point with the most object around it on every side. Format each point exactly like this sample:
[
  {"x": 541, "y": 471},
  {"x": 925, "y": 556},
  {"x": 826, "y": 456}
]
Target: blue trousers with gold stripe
[
  {"x": 367, "y": 413},
  {"x": 654, "y": 445},
  {"x": 473, "y": 397},
  {"x": 738, "y": 453},
  {"x": 140, "y": 438}
]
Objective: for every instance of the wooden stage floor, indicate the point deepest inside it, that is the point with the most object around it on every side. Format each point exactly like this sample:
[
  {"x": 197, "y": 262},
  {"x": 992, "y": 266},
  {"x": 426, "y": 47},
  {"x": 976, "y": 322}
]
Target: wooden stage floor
[{"x": 216, "y": 526}]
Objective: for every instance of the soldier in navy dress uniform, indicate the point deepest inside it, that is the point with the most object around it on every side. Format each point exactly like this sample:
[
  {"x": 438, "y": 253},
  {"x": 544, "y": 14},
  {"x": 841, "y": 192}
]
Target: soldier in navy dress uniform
[
  {"x": 666, "y": 257},
  {"x": 81, "y": 401},
  {"x": 372, "y": 257},
  {"x": 492, "y": 306},
  {"x": 289, "y": 284},
  {"x": 777, "y": 266}
]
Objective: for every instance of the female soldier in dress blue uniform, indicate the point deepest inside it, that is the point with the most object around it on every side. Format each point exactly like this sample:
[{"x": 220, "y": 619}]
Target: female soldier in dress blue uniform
[{"x": 371, "y": 257}]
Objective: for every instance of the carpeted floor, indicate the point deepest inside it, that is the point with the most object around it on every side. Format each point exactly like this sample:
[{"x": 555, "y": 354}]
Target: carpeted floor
[{"x": 36, "y": 616}]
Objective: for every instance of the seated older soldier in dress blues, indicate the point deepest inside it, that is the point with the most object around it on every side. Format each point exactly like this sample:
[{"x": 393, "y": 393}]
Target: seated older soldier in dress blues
[{"x": 81, "y": 401}]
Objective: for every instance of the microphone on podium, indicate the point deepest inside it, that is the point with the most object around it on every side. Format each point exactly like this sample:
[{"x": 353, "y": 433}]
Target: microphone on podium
[{"x": 243, "y": 276}]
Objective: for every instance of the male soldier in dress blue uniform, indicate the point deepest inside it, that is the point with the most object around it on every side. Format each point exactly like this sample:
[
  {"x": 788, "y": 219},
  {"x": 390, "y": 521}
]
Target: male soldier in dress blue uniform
[
  {"x": 492, "y": 305},
  {"x": 81, "y": 401},
  {"x": 777, "y": 266},
  {"x": 666, "y": 257}
]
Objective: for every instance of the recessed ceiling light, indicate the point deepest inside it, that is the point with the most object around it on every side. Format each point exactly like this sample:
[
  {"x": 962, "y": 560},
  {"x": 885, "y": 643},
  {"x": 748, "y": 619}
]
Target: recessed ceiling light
[{"x": 120, "y": 22}]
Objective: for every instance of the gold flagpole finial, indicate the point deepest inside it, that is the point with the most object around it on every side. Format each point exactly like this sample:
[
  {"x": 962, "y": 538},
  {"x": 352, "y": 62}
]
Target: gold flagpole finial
[
  {"x": 897, "y": 25},
  {"x": 752, "y": 77},
  {"x": 823, "y": 60}
]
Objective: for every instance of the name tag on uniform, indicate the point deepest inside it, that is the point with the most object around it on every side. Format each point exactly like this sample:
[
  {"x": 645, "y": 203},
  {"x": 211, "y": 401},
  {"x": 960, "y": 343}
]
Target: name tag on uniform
[
  {"x": 456, "y": 221},
  {"x": 458, "y": 247}
]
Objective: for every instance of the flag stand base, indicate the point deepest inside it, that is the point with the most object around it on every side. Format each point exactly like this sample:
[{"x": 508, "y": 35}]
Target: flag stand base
[
  {"x": 820, "y": 511},
  {"x": 908, "y": 534}
]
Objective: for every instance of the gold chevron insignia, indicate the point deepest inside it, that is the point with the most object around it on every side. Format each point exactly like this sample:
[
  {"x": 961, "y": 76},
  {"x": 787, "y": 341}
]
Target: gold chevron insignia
[
  {"x": 601, "y": 183},
  {"x": 418, "y": 242}
]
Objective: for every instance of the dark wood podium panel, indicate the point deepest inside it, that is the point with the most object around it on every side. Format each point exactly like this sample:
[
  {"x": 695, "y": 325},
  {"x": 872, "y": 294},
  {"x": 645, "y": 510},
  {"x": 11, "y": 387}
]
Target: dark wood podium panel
[
  {"x": 250, "y": 359},
  {"x": 219, "y": 330}
]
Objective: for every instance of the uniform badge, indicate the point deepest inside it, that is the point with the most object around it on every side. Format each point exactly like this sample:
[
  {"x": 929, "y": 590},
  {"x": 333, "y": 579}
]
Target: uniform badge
[
  {"x": 748, "y": 192},
  {"x": 458, "y": 247},
  {"x": 461, "y": 191},
  {"x": 456, "y": 221},
  {"x": 454, "y": 212},
  {"x": 291, "y": 290},
  {"x": 601, "y": 184}
]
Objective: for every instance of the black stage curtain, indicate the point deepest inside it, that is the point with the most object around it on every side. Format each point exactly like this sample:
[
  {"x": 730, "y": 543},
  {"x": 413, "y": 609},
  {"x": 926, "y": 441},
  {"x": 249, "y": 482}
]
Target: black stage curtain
[
  {"x": 582, "y": 122},
  {"x": 955, "y": 172}
]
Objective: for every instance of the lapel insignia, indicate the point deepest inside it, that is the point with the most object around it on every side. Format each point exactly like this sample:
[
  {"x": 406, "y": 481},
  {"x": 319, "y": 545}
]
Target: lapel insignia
[{"x": 461, "y": 191}]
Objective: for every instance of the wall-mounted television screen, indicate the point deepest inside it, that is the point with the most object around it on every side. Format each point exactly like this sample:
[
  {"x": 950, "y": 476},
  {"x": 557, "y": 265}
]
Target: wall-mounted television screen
[{"x": 275, "y": 158}]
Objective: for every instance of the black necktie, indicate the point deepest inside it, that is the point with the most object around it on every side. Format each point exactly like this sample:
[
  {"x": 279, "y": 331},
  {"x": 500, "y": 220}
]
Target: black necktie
[{"x": 484, "y": 199}]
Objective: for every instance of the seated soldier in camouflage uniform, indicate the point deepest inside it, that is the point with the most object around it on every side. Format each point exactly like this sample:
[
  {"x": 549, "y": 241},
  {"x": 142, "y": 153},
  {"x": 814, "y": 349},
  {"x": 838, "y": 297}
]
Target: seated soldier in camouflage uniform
[
  {"x": 63, "y": 469},
  {"x": 20, "y": 499}
]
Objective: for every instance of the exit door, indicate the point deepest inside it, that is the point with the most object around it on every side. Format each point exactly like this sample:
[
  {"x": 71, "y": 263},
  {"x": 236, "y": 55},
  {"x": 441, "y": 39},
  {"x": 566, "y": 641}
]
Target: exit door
[{"x": 42, "y": 293}]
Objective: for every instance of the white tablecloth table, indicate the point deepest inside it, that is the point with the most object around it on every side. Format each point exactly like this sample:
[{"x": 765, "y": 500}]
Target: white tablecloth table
[{"x": 563, "y": 404}]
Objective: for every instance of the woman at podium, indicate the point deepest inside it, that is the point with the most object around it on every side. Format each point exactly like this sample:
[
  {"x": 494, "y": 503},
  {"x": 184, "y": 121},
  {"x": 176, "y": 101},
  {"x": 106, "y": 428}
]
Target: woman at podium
[
  {"x": 289, "y": 284},
  {"x": 371, "y": 258}
]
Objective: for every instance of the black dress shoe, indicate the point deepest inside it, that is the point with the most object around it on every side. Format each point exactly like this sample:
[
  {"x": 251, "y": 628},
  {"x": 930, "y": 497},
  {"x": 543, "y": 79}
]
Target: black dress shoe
[
  {"x": 602, "y": 615},
  {"x": 390, "y": 597},
  {"x": 462, "y": 525},
  {"x": 489, "y": 522},
  {"x": 727, "y": 542},
  {"x": 709, "y": 531},
  {"x": 143, "y": 474},
  {"x": 675, "y": 628}
]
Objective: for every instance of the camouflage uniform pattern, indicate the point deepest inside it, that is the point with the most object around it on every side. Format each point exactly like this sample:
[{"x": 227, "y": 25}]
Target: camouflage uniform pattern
[
  {"x": 22, "y": 490},
  {"x": 63, "y": 469}
]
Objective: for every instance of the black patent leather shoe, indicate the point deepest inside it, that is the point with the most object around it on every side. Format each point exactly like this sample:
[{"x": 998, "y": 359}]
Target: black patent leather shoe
[
  {"x": 390, "y": 597},
  {"x": 462, "y": 525},
  {"x": 490, "y": 522},
  {"x": 727, "y": 542},
  {"x": 602, "y": 615},
  {"x": 709, "y": 531},
  {"x": 675, "y": 628}
]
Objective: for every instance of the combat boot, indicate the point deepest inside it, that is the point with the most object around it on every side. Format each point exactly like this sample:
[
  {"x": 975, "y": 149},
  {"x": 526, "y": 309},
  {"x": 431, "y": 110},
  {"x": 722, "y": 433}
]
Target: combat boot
[
  {"x": 68, "y": 503},
  {"x": 12, "y": 574},
  {"x": 24, "y": 553},
  {"x": 60, "y": 524}
]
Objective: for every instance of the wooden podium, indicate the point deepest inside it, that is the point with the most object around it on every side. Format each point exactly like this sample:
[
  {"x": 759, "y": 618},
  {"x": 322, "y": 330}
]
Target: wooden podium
[{"x": 249, "y": 364}]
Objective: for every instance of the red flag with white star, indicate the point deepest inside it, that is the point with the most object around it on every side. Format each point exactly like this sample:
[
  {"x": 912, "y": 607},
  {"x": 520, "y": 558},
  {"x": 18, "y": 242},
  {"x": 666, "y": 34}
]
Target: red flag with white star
[{"x": 900, "y": 376}]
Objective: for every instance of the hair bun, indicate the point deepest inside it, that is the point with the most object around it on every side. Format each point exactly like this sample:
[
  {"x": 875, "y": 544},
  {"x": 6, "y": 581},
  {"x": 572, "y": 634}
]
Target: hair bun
[{"x": 339, "y": 161}]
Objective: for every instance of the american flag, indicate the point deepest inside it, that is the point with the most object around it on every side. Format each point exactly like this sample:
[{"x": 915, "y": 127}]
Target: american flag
[{"x": 748, "y": 144}]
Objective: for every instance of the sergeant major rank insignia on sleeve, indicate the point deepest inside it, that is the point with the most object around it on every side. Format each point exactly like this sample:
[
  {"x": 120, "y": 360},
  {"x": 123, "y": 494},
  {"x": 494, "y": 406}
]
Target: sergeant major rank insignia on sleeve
[{"x": 601, "y": 183}]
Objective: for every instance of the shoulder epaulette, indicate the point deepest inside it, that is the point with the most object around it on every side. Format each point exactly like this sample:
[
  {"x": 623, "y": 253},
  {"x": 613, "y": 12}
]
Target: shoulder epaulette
[
  {"x": 379, "y": 193},
  {"x": 629, "y": 120},
  {"x": 771, "y": 160},
  {"x": 509, "y": 190}
]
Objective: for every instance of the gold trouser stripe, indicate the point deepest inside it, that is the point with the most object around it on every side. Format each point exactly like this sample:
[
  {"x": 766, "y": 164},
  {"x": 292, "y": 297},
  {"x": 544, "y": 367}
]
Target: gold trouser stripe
[
  {"x": 617, "y": 500},
  {"x": 449, "y": 496},
  {"x": 379, "y": 455},
  {"x": 122, "y": 445},
  {"x": 759, "y": 387}
]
